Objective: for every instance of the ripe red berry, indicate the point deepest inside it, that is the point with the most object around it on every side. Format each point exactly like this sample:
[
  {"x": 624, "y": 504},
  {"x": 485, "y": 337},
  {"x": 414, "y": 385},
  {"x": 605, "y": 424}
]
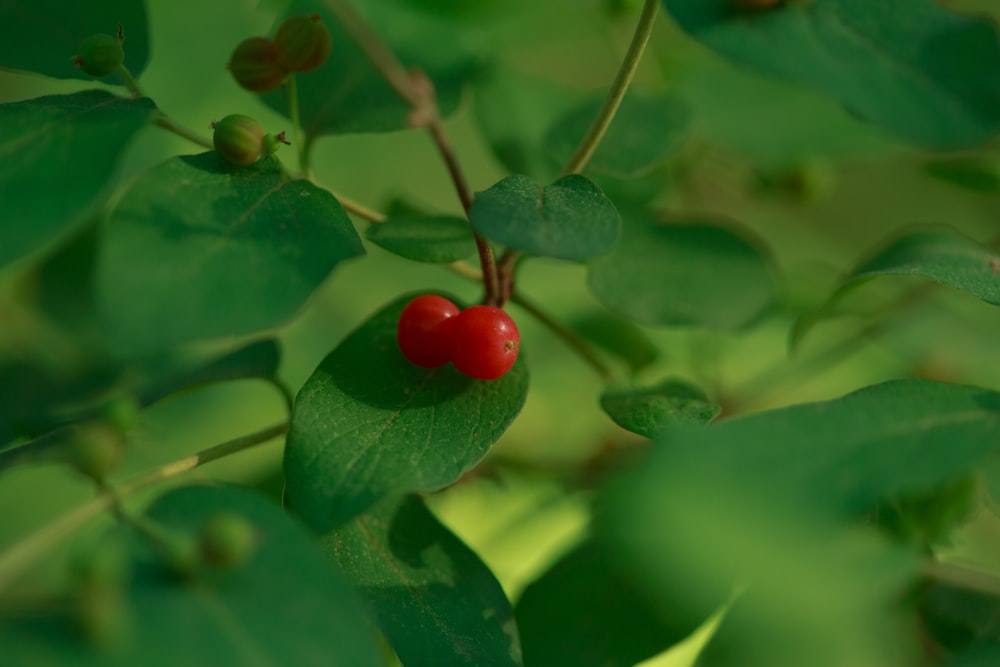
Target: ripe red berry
[
  {"x": 424, "y": 330},
  {"x": 485, "y": 342},
  {"x": 303, "y": 43}
]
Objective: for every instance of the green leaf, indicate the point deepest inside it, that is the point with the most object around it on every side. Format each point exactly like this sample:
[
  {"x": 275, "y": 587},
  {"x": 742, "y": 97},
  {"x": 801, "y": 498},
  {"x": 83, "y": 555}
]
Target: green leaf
[
  {"x": 369, "y": 424},
  {"x": 972, "y": 174},
  {"x": 647, "y": 411},
  {"x": 436, "y": 602},
  {"x": 57, "y": 156},
  {"x": 348, "y": 94},
  {"x": 929, "y": 75},
  {"x": 957, "y": 617},
  {"x": 646, "y": 130},
  {"x": 620, "y": 337},
  {"x": 569, "y": 219},
  {"x": 284, "y": 606},
  {"x": 982, "y": 654},
  {"x": 199, "y": 249},
  {"x": 43, "y": 36},
  {"x": 435, "y": 239},
  {"x": 584, "y": 612},
  {"x": 685, "y": 272}
]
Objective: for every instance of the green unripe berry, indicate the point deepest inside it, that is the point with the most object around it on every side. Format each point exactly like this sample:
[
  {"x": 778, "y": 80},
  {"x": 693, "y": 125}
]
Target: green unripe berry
[
  {"x": 254, "y": 65},
  {"x": 100, "y": 55},
  {"x": 303, "y": 43},
  {"x": 227, "y": 540},
  {"x": 96, "y": 449},
  {"x": 240, "y": 140}
]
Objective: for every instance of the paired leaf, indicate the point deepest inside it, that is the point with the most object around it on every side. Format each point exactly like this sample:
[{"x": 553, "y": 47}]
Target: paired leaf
[
  {"x": 44, "y": 36},
  {"x": 929, "y": 75},
  {"x": 369, "y": 424},
  {"x": 584, "y": 612},
  {"x": 648, "y": 411},
  {"x": 436, "y": 239},
  {"x": 57, "y": 156},
  {"x": 285, "y": 605},
  {"x": 569, "y": 219},
  {"x": 434, "y": 599},
  {"x": 199, "y": 249},
  {"x": 646, "y": 130},
  {"x": 688, "y": 272}
]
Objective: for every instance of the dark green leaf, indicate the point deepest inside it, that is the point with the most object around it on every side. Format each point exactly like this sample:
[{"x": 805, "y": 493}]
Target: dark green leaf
[
  {"x": 584, "y": 612},
  {"x": 369, "y": 424},
  {"x": 348, "y": 94},
  {"x": 435, "y": 600},
  {"x": 620, "y": 337},
  {"x": 284, "y": 606},
  {"x": 199, "y": 249},
  {"x": 929, "y": 75},
  {"x": 688, "y": 272},
  {"x": 436, "y": 239},
  {"x": 976, "y": 175},
  {"x": 57, "y": 156},
  {"x": 43, "y": 36},
  {"x": 982, "y": 654},
  {"x": 956, "y": 617},
  {"x": 646, "y": 130},
  {"x": 648, "y": 411},
  {"x": 569, "y": 219}
]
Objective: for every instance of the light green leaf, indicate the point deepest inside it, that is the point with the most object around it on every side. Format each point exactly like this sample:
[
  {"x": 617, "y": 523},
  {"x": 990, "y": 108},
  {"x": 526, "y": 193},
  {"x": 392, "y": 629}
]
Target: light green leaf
[
  {"x": 569, "y": 219},
  {"x": 43, "y": 36},
  {"x": 199, "y": 249},
  {"x": 435, "y": 239},
  {"x": 647, "y": 411},
  {"x": 929, "y": 75},
  {"x": 646, "y": 130},
  {"x": 284, "y": 606},
  {"x": 681, "y": 273},
  {"x": 57, "y": 156},
  {"x": 369, "y": 424},
  {"x": 435, "y": 600}
]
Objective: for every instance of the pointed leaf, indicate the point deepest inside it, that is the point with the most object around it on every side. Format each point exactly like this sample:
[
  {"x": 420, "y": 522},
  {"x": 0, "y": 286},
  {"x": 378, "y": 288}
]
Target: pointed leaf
[
  {"x": 370, "y": 424},
  {"x": 929, "y": 75},
  {"x": 44, "y": 35},
  {"x": 199, "y": 249},
  {"x": 57, "y": 155},
  {"x": 435, "y": 239},
  {"x": 435, "y": 600},
  {"x": 569, "y": 219},
  {"x": 688, "y": 272},
  {"x": 646, "y": 130},
  {"x": 285, "y": 605},
  {"x": 648, "y": 411}
]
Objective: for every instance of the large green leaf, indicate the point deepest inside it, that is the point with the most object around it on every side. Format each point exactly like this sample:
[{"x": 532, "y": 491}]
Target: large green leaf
[
  {"x": 348, "y": 94},
  {"x": 369, "y": 424},
  {"x": 688, "y": 272},
  {"x": 649, "y": 410},
  {"x": 646, "y": 130},
  {"x": 199, "y": 249},
  {"x": 57, "y": 155},
  {"x": 435, "y": 600},
  {"x": 584, "y": 612},
  {"x": 929, "y": 75},
  {"x": 43, "y": 36},
  {"x": 569, "y": 219},
  {"x": 284, "y": 606},
  {"x": 434, "y": 239}
]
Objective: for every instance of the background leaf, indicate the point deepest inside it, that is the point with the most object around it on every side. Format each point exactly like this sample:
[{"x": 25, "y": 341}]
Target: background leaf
[
  {"x": 436, "y": 239},
  {"x": 44, "y": 36},
  {"x": 57, "y": 155},
  {"x": 929, "y": 75},
  {"x": 435, "y": 600},
  {"x": 620, "y": 337},
  {"x": 369, "y": 424},
  {"x": 647, "y": 411},
  {"x": 685, "y": 272},
  {"x": 285, "y": 605},
  {"x": 569, "y": 219},
  {"x": 199, "y": 249}
]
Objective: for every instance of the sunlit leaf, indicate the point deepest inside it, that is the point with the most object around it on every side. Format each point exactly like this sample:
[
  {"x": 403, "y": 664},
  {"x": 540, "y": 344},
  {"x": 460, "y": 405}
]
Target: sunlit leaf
[{"x": 648, "y": 410}]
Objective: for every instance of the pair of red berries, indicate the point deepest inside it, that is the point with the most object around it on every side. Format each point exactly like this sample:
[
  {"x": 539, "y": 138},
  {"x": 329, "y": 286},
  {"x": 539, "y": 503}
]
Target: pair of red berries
[
  {"x": 301, "y": 44},
  {"x": 481, "y": 341}
]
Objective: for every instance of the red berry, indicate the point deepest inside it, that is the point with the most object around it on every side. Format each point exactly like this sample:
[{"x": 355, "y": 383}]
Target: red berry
[
  {"x": 254, "y": 65},
  {"x": 302, "y": 42},
  {"x": 485, "y": 342},
  {"x": 424, "y": 330}
]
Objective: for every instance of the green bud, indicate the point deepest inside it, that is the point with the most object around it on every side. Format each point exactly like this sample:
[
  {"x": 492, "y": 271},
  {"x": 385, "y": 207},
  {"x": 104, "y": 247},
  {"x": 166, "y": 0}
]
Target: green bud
[
  {"x": 96, "y": 449},
  {"x": 227, "y": 540},
  {"x": 303, "y": 43},
  {"x": 122, "y": 413},
  {"x": 254, "y": 65},
  {"x": 100, "y": 55},
  {"x": 238, "y": 139}
]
